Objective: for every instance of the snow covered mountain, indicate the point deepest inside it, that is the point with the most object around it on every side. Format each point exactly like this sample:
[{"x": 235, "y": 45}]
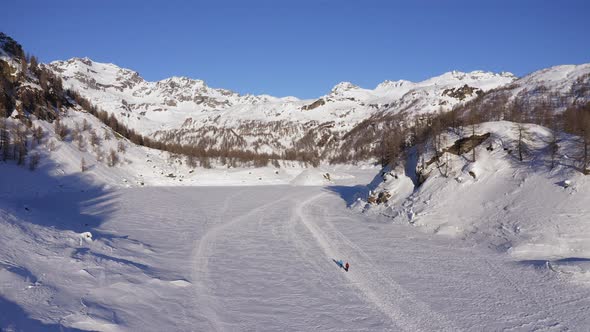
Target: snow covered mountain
[
  {"x": 541, "y": 93},
  {"x": 183, "y": 110},
  {"x": 569, "y": 82}
]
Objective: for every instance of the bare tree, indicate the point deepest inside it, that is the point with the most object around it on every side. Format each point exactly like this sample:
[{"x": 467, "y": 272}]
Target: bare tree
[
  {"x": 77, "y": 129},
  {"x": 521, "y": 145},
  {"x": 81, "y": 142},
  {"x": 60, "y": 130},
  {"x": 275, "y": 163},
  {"x": 99, "y": 154},
  {"x": 34, "y": 63},
  {"x": 38, "y": 134},
  {"x": 437, "y": 131},
  {"x": 83, "y": 166},
  {"x": 94, "y": 138},
  {"x": 205, "y": 162},
  {"x": 191, "y": 161},
  {"x": 24, "y": 67},
  {"x": 473, "y": 119},
  {"x": 473, "y": 129},
  {"x": 20, "y": 148},
  {"x": 585, "y": 137},
  {"x": 444, "y": 164},
  {"x": 577, "y": 122},
  {"x": 112, "y": 158},
  {"x": 4, "y": 139},
  {"x": 553, "y": 147},
  {"x": 34, "y": 160},
  {"x": 121, "y": 147}
]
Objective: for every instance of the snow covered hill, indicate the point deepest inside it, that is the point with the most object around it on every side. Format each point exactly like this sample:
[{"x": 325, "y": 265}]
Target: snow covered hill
[
  {"x": 182, "y": 110},
  {"x": 535, "y": 213}
]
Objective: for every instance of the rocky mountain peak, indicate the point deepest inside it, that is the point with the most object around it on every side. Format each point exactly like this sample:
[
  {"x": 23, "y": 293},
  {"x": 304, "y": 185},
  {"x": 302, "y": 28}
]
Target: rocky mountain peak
[{"x": 342, "y": 87}]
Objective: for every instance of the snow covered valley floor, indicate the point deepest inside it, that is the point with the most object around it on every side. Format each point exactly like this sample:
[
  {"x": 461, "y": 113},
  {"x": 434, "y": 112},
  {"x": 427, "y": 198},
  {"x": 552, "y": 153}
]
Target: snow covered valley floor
[{"x": 257, "y": 259}]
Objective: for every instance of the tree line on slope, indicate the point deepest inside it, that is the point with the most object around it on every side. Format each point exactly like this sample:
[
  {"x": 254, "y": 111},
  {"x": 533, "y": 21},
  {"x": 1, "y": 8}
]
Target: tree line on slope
[{"x": 392, "y": 135}]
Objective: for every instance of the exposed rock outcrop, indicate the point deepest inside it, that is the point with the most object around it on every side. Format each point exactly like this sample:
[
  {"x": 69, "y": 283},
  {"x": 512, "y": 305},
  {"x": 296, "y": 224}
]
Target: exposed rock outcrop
[
  {"x": 466, "y": 144},
  {"x": 313, "y": 105},
  {"x": 461, "y": 93},
  {"x": 461, "y": 146},
  {"x": 379, "y": 198}
]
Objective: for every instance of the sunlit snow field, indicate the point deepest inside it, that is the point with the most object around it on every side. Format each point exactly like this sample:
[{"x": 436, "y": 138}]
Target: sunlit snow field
[{"x": 257, "y": 259}]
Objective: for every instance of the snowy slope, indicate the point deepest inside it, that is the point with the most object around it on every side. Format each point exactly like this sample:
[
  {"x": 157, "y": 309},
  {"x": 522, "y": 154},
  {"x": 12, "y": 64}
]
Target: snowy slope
[
  {"x": 552, "y": 89},
  {"x": 448, "y": 90},
  {"x": 522, "y": 208},
  {"x": 558, "y": 79},
  {"x": 140, "y": 166},
  {"x": 255, "y": 258}
]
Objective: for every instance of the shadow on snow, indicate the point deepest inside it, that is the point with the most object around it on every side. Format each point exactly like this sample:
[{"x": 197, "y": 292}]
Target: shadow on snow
[
  {"x": 65, "y": 203},
  {"x": 540, "y": 263},
  {"x": 349, "y": 193},
  {"x": 13, "y": 318}
]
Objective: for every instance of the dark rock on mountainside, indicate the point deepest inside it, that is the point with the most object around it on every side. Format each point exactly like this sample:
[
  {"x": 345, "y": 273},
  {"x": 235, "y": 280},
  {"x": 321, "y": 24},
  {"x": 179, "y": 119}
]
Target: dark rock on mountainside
[
  {"x": 313, "y": 105},
  {"x": 466, "y": 144},
  {"x": 462, "y": 92},
  {"x": 461, "y": 146}
]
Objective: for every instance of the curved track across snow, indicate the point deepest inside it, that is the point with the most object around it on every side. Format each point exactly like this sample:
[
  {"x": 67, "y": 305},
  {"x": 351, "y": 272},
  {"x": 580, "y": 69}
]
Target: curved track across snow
[{"x": 261, "y": 259}]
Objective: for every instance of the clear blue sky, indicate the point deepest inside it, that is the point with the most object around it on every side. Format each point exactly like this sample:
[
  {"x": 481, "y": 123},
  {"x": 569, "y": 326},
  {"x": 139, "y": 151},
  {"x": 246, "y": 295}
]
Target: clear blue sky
[{"x": 304, "y": 47}]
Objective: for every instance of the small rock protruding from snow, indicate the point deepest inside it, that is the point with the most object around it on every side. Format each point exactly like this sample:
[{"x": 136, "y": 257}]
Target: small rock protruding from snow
[
  {"x": 389, "y": 176},
  {"x": 86, "y": 236}
]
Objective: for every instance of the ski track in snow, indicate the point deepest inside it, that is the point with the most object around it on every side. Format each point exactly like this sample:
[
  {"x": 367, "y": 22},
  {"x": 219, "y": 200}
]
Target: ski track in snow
[
  {"x": 200, "y": 259},
  {"x": 260, "y": 258},
  {"x": 388, "y": 296}
]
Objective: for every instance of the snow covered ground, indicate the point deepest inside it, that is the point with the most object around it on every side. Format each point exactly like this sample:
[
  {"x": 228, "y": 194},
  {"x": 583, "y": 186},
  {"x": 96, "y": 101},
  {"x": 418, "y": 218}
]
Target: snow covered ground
[
  {"x": 254, "y": 258},
  {"x": 522, "y": 208}
]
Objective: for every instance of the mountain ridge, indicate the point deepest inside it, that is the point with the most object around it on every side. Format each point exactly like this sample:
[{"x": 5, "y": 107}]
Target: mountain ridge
[
  {"x": 179, "y": 109},
  {"x": 344, "y": 85},
  {"x": 348, "y": 123}
]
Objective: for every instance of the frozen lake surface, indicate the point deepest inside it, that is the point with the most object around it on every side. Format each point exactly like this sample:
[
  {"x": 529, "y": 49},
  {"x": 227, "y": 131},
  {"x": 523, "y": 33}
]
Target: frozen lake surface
[{"x": 258, "y": 259}]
